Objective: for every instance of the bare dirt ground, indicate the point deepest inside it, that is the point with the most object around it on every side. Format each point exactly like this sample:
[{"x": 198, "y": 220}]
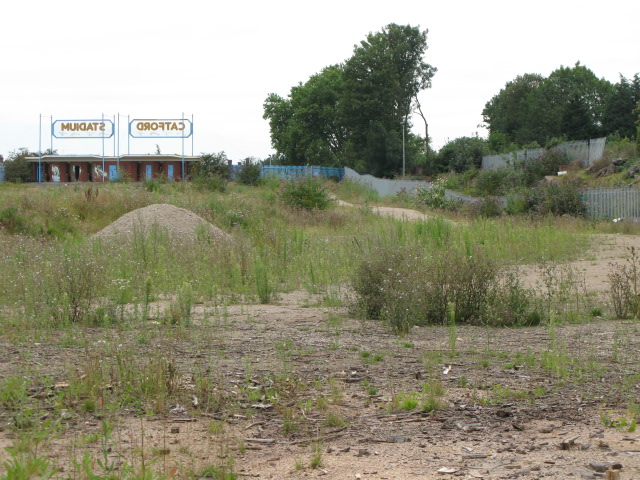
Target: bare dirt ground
[{"x": 304, "y": 390}]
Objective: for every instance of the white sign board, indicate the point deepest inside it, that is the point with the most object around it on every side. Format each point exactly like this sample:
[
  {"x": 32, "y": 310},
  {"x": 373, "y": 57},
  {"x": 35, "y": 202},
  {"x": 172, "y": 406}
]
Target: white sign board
[
  {"x": 156, "y": 128},
  {"x": 100, "y": 128}
]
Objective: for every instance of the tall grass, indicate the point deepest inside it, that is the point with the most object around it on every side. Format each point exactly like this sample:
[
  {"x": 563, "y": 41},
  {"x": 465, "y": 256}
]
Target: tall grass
[{"x": 55, "y": 278}]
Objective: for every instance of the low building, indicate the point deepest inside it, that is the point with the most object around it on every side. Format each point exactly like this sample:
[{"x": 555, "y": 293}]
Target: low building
[{"x": 96, "y": 168}]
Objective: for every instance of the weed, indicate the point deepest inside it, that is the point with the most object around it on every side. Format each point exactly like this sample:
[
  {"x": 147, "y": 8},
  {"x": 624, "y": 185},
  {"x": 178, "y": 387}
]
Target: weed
[
  {"x": 316, "y": 457},
  {"x": 624, "y": 281},
  {"x": 263, "y": 283},
  {"x": 216, "y": 427},
  {"x": 453, "y": 334},
  {"x": 335, "y": 420}
]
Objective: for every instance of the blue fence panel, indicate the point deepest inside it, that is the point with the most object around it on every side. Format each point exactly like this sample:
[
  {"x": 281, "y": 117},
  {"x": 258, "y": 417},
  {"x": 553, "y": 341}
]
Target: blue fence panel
[
  {"x": 289, "y": 172},
  {"x": 1, "y": 173}
]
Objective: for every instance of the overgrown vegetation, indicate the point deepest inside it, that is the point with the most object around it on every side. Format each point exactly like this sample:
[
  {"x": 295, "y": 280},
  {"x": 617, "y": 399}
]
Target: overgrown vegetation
[
  {"x": 408, "y": 286},
  {"x": 135, "y": 310},
  {"x": 306, "y": 193}
]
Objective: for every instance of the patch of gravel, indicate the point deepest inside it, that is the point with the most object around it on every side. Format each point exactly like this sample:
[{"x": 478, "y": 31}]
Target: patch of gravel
[{"x": 178, "y": 223}]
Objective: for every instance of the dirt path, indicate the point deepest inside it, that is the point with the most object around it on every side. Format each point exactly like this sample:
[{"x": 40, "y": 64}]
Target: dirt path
[
  {"x": 399, "y": 213},
  {"x": 607, "y": 252}
]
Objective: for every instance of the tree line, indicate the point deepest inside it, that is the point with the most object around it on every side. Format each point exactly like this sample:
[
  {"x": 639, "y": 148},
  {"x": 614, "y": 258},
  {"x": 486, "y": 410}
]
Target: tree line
[
  {"x": 572, "y": 103},
  {"x": 357, "y": 113}
]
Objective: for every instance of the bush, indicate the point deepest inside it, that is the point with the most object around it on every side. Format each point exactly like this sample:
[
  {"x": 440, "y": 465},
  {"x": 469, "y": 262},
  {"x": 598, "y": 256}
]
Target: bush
[
  {"x": 213, "y": 164},
  {"x": 624, "y": 281},
  {"x": 249, "y": 173},
  {"x": 548, "y": 198},
  {"x": 492, "y": 181},
  {"x": 11, "y": 219},
  {"x": 550, "y": 161},
  {"x": 511, "y": 305},
  {"x": 517, "y": 202},
  {"x": 16, "y": 168},
  {"x": 557, "y": 198},
  {"x": 210, "y": 182},
  {"x": 462, "y": 153},
  {"x": 486, "y": 207},
  {"x": 306, "y": 193},
  {"x": 404, "y": 287},
  {"x": 436, "y": 196}
]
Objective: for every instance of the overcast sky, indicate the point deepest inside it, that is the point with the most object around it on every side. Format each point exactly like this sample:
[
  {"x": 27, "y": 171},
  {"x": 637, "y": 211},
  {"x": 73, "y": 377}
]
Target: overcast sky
[{"x": 218, "y": 61}]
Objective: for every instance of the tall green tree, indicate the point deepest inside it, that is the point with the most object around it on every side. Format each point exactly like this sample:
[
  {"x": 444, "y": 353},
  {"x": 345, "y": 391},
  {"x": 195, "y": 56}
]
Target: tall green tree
[
  {"x": 570, "y": 103},
  {"x": 354, "y": 114},
  {"x": 506, "y": 113},
  {"x": 306, "y": 127},
  {"x": 618, "y": 116},
  {"x": 462, "y": 154},
  {"x": 382, "y": 80}
]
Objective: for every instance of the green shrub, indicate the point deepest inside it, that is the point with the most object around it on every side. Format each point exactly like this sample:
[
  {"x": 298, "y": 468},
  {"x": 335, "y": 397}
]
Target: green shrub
[
  {"x": 486, "y": 207},
  {"x": 213, "y": 164},
  {"x": 517, "y": 201},
  {"x": 11, "y": 219},
  {"x": 210, "y": 182},
  {"x": 624, "y": 282},
  {"x": 306, "y": 193},
  {"x": 462, "y": 153},
  {"x": 557, "y": 198},
  {"x": 405, "y": 287},
  {"x": 436, "y": 196},
  {"x": 152, "y": 185},
  {"x": 512, "y": 305},
  {"x": 491, "y": 181},
  {"x": 249, "y": 173},
  {"x": 551, "y": 160},
  {"x": 16, "y": 168}
]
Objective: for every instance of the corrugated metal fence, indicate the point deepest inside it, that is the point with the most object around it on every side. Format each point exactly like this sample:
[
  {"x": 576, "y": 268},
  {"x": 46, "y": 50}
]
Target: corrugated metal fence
[
  {"x": 286, "y": 171},
  {"x": 386, "y": 187},
  {"x": 584, "y": 151},
  {"x": 612, "y": 202}
]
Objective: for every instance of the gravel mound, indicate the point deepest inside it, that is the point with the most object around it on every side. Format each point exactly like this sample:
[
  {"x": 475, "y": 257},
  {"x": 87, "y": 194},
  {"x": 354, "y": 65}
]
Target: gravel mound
[{"x": 178, "y": 223}]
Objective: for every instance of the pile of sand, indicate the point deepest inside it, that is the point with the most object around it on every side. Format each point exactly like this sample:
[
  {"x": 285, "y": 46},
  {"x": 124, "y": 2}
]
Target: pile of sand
[{"x": 177, "y": 223}]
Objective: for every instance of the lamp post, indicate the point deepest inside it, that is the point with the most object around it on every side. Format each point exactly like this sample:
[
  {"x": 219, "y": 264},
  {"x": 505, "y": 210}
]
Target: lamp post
[
  {"x": 404, "y": 126},
  {"x": 39, "y": 176}
]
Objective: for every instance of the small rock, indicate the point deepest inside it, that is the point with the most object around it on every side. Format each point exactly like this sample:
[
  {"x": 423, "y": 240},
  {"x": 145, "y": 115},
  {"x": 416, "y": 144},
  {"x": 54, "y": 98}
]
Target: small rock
[
  {"x": 568, "y": 443},
  {"x": 177, "y": 410},
  {"x": 446, "y": 470},
  {"x": 604, "y": 466},
  {"x": 363, "y": 452},
  {"x": 175, "y": 429},
  {"x": 398, "y": 439}
]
